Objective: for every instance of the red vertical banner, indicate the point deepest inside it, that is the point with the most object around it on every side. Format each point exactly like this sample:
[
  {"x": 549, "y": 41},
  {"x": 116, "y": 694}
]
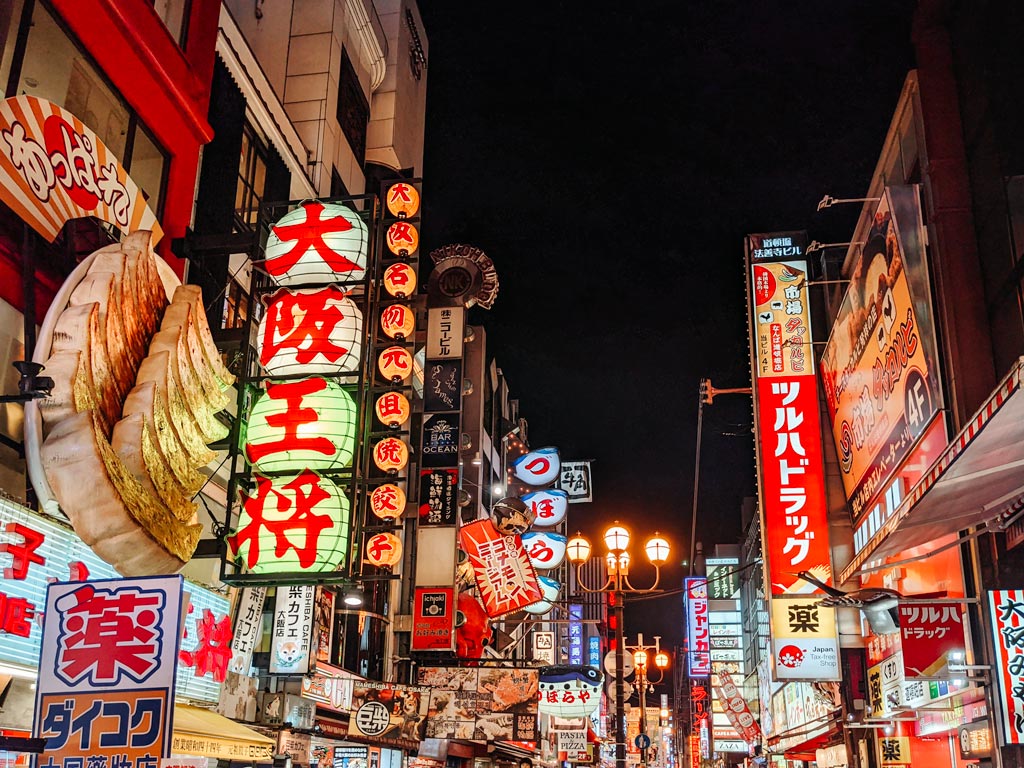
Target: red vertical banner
[{"x": 795, "y": 522}]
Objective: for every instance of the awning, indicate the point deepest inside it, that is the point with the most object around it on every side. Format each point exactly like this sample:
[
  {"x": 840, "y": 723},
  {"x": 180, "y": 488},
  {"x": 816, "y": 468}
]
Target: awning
[
  {"x": 204, "y": 733},
  {"x": 978, "y": 479}
]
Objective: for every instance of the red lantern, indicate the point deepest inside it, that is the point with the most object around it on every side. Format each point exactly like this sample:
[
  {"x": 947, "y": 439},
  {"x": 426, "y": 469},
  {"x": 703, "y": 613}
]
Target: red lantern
[
  {"x": 403, "y": 238},
  {"x": 392, "y": 409},
  {"x": 391, "y": 455},
  {"x": 395, "y": 364},
  {"x": 403, "y": 200},
  {"x": 384, "y": 549},
  {"x": 400, "y": 280},
  {"x": 397, "y": 321},
  {"x": 387, "y": 501}
]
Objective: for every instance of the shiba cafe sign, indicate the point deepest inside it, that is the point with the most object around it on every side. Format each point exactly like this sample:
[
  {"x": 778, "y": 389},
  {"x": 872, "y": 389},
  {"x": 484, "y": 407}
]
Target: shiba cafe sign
[{"x": 54, "y": 169}]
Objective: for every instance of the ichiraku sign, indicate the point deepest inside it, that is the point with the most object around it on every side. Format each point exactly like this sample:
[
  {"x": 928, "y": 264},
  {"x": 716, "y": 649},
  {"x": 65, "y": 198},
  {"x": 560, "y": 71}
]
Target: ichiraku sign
[{"x": 107, "y": 670}]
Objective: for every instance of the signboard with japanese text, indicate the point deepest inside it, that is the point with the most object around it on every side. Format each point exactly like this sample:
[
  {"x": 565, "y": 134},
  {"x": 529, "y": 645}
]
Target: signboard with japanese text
[
  {"x": 248, "y": 625},
  {"x": 57, "y": 169},
  {"x": 544, "y": 647},
  {"x": 723, "y": 578},
  {"x": 330, "y": 687},
  {"x": 789, "y": 434},
  {"x": 291, "y": 649},
  {"x": 805, "y": 640},
  {"x": 445, "y": 333},
  {"x": 323, "y": 629},
  {"x": 107, "y": 664},
  {"x": 929, "y": 632},
  {"x": 481, "y": 703},
  {"x": 880, "y": 367},
  {"x": 777, "y": 245},
  {"x": 576, "y": 634},
  {"x": 698, "y": 648},
  {"x": 574, "y": 479},
  {"x": 893, "y": 750},
  {"x": 1006, "y": 608},
  {"x": 387, "y": 713},
  {"x": 433, "y": 619},
  {"x": 736, "y": 709},
  {"x": 205, "y": 646},
  {"x": 442, "y": 386},
  {"x": 504, "y": 575},
  {"x": 700, "y": 715},
  {"x": 439, "y": 489},
  {"x": 441, "y": 433}
]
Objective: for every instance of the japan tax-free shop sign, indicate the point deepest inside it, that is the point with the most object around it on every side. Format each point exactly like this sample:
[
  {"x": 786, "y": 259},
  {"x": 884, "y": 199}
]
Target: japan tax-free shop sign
[{"x": 105, "y": 694}]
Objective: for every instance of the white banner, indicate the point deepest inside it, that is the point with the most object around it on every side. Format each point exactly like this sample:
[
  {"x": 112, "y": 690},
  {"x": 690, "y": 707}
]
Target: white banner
[
  {"x": 292, "y": 633},
  {"x": 248, "y": 622}
]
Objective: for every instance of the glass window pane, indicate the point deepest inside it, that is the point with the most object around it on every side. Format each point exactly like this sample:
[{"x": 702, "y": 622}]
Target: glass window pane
[
  {"x": 55, "y": 69},
  {"x": 147, "y": 167}
]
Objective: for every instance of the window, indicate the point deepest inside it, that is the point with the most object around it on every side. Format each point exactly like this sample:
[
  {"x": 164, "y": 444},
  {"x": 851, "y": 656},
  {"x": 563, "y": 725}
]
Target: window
[
  {"x": 252, "y": 177},
  {"x": 353, "y": 109},
  {"x": 55, "y": 68},
  {"x": 174, "y": 14}
]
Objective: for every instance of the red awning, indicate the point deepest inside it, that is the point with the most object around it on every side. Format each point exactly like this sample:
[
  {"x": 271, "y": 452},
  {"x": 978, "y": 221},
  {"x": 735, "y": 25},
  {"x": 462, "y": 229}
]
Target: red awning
[{"x": 977, "y": 480}]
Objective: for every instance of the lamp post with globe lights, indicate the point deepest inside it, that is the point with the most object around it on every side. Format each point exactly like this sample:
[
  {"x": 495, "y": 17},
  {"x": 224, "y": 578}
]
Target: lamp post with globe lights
[
  {"x": 643, "y": 656},
  {"x": 616, "y": 539}
]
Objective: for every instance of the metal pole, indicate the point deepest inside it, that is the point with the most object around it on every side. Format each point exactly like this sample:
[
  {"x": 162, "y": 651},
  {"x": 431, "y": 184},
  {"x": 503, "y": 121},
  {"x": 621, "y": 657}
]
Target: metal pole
[
  {"x": 696, "y": 485},
  {"x": 642, "y": 685},
  {"x": 620, "y": 699}
]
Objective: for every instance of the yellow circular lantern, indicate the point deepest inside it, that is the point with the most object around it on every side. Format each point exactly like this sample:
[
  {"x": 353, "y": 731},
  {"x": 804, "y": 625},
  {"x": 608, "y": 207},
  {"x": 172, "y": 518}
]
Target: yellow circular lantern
[
  {"x": 403, "y": 238},
  {"x": 387, "y": 501},
  {"x": 403, "y": 200},
  {"x": 392, "y": 409},
  {"x": 397, "y": 321},
  {"x": 395, "y": 364},
  {"x": 391, "y": 455},
  {"x": 303, "y": 424},
  {"x": 400, "y": 280},
  {"x": 384, "y": 550}
]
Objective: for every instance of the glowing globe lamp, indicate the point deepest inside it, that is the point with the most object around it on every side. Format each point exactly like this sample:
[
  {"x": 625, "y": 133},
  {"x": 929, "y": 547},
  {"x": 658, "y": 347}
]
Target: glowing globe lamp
[
  {"x": 537, "y": 468},
  {"x": 395, "y": 364},
  {"x": 314, "y": 331},
  {"x": 303, "y": 424},
  {"x": 317, "y": 243}
]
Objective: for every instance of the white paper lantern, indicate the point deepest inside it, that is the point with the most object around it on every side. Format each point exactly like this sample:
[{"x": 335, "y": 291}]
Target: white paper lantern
[
  {"x": 545, "y": 550},
  {"x": 317, "y": 243},
  {"x": 313, "y": 331},
  {"x": 549, "y": 507},
  {"x": 388, "y": 501},
  {"x": 293, "y": 524},
  {"x": 569, "y": 691},
  {"x": 537, "y": 468},
  {"x": 395, "y": 364},
  {"x": 303, "y": 424}
]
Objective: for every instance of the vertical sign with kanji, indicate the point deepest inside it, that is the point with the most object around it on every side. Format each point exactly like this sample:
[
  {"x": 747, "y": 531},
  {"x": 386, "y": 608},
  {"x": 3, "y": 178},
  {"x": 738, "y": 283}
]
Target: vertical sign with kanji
[
  {"x": 574, "y": 479},
  {"x": 292, "y": 633},
  {"x": 105, "y": 694},
  {"x": 248, "y": 624},
  {"x": 445, "y": 332},
  {"x": 1007, "y": 609},
  {"x": 805, "y": 642},
  {"x": 698, "y": 650}
]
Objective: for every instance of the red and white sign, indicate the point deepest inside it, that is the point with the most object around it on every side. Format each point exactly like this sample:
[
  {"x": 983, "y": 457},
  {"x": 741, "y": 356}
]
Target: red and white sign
[
  {"x": 929, "y": 633},
  {"x": 698, "y": 649},
  {"x": 311, "y": 331},
  {"x": 789, "y": 429},
  {"x": 1007, "y": 608},
  {"x": 433, "y": 619},
  {"x": 504, "y": 575},
  {"x": 549, "y": 507},
  {"x": 56, "y": 169},
  {"x": 107, "y": 666},
  {"x": 736, "y": 708},
  {"x": 537, "y": 468},
  {"x": 545, "y": 550}
]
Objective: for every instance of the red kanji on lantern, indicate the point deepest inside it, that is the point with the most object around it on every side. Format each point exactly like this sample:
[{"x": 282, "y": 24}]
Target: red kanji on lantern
[
  {"x": 310, "y": 234},
  {"x": 300, "y": 531},
  {"x": 23, "y": 554},
  {"x": 105, "y": 634},
  {"x": 295, "y": 416},
  {"x": 213, "y": 652},
  {"x": 387, "y": 501},
  {"x": 402, "y": 232},
  {"x": 383, "y": 549},
  {"x": 304, "y": 322}
]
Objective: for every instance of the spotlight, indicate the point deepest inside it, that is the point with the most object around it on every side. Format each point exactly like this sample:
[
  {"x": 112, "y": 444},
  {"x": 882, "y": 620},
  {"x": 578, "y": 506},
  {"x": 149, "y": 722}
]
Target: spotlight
[{"x": 353, "y": 597}]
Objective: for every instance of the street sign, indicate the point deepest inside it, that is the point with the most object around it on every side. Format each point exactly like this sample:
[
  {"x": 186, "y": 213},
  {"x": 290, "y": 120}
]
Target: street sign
[
  {"x": 627, "y": 663},
  {"x": 627, "y": 689},
  {"x": 642, "y": 741}
]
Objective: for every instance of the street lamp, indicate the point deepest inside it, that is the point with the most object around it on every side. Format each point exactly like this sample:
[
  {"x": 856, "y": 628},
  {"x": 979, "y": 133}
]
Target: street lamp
[
  {"x": 644, "y": 682},
  {"x": 616, "y": 539}
]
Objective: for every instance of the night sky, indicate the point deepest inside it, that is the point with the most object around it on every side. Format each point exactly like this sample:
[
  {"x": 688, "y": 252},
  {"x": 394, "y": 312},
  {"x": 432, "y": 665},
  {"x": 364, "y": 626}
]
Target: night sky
[{"x": 610, "y": 158}]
